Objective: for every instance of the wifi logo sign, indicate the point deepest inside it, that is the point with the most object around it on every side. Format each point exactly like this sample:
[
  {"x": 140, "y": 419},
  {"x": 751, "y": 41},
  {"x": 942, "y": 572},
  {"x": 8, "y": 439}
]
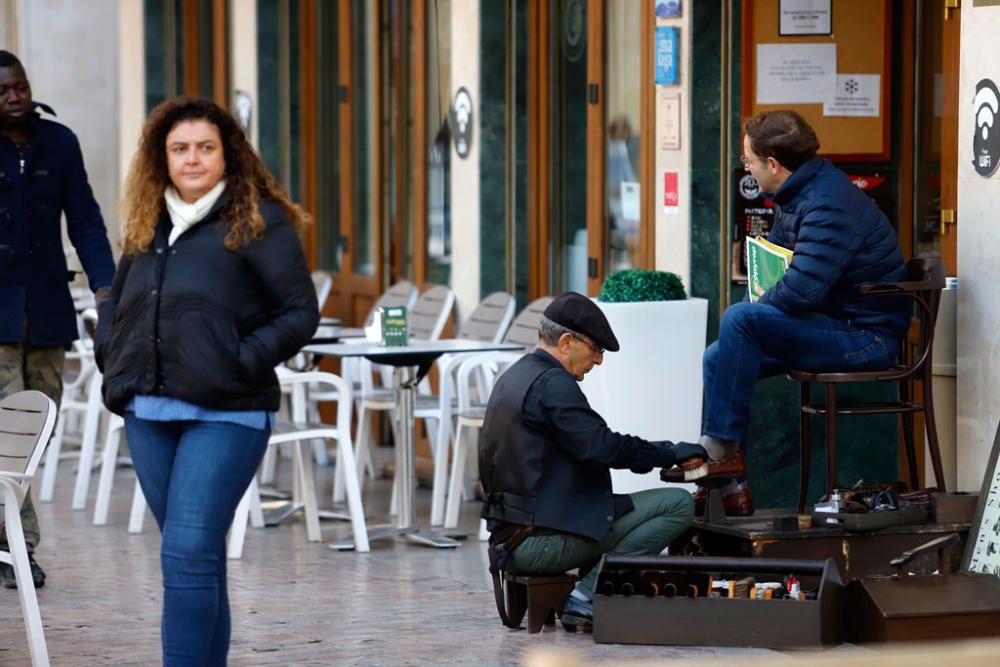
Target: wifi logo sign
[{"x": 986, "y": 143}]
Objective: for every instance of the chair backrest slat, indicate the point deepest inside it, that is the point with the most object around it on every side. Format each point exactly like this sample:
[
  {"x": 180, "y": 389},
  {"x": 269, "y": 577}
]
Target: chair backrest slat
[
  {"x": 26, "y": 420},
  {"x": 524, "y": 329},
  {"x": 490, "y": 319},
  {"x": 323, "y": 282},
  {"x": 427, "y": 317}
]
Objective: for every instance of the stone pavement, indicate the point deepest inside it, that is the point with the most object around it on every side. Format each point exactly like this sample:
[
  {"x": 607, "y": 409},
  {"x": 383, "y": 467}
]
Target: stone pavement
[{"x": 293, "y": 602}]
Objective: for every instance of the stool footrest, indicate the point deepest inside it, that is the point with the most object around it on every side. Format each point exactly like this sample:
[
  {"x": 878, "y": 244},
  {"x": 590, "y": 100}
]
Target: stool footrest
[{"x": 893, "y": 407}]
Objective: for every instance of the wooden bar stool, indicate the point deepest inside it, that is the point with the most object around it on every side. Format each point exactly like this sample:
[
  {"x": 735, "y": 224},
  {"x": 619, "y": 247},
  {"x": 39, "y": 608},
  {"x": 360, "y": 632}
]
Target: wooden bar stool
[{"x": 925, "y": 280}]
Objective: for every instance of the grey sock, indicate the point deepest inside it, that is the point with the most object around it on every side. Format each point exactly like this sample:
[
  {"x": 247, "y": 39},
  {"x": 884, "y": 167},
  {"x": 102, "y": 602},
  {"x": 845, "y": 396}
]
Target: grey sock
[{"x": 718, "y": 449}]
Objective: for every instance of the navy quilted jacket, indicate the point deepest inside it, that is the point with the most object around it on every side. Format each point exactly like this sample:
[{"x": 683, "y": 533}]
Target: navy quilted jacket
[
  {"x": 841, "y": 240},
  {"x": 33, "y": 197}
]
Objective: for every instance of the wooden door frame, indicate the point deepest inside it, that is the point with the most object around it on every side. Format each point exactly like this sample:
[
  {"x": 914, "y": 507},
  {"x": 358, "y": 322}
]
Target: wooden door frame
[
  {"x": 596, "y": 146},
  {"x": 950, "y": 50},
  {"x": 353, "y": 294},
  {"x": 219, "y": 54},
  {"x": 647, "y": 151},
  {"x": 308, "y": 121},
  {"x": 539, "y": 150}
]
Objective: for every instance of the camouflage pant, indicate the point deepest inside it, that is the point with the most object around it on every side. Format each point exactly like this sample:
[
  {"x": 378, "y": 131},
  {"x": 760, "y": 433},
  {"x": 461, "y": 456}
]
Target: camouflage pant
[{"x": 25, "y": 367}]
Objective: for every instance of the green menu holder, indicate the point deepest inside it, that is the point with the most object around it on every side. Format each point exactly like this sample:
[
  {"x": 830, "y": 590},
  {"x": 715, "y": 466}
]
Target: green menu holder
[{"x": 394, "y": 326}]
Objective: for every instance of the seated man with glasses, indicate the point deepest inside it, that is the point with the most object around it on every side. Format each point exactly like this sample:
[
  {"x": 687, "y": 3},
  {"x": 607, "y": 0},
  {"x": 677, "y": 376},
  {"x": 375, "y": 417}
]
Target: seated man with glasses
[
  {"x": 814, "y": 318},
  {"x": 545, "y": 458}
]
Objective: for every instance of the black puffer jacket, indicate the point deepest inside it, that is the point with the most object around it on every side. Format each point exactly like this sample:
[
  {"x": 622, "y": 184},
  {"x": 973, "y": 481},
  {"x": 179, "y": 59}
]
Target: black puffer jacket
[{"x": 200, "y": 323}]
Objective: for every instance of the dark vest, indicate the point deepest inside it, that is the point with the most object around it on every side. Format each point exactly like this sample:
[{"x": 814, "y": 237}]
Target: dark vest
[{"x": 529, "y": 480}]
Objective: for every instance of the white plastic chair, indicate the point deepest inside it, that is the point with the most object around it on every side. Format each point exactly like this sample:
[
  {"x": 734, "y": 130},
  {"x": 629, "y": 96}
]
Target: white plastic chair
[
  {"x": 402, "y": 293},
  {"x": 80, "y": 404},
  {"x": 470, "y": 414},
  {"x": 109, "y": 461},
  {"x": 26, "y": 422},
  {"x": 425, "y": 321},
  {"x": 489, "y": 321},
  {"x": 302, "y": 432},
  {"x": 323, "y": 282}
]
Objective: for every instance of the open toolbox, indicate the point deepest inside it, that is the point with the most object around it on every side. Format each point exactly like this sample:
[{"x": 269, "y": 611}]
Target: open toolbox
[
  {"x": 705, "y": 601},
  {"x": 866, "y": 521}
]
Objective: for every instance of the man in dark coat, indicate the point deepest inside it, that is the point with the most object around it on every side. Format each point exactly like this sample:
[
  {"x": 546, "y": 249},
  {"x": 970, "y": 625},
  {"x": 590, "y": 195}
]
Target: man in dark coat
[
  {"x": 814, "y": 318},
  {"x": 41, "y": 177},
  {"x": 545, "y": 455}
]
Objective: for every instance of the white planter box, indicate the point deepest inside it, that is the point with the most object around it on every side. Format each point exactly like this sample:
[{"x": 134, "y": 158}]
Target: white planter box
[{"x": 652, "y": 387}]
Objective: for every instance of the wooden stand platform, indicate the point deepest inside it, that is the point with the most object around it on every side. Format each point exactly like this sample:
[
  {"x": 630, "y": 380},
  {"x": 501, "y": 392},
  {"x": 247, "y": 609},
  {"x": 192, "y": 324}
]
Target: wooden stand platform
[{"x": 857, "y": 554}]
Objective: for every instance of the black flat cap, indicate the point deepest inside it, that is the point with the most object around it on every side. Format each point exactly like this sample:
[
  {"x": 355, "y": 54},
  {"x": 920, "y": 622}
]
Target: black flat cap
[{"x": 577, "y": 312}]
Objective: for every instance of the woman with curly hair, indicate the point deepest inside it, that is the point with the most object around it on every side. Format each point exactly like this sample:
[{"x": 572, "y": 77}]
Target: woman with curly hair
[{"x": 212, "y": 292}]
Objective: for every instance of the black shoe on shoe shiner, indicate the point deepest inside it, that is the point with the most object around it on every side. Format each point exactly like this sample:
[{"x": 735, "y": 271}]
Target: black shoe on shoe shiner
[{"x": 8, "y": 580}]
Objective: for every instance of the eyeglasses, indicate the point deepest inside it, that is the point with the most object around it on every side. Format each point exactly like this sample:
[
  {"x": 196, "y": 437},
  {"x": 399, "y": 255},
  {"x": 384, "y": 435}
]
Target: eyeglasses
[
  {"x": 745, "y": 161},
  {"x": 593, "y": 348}
]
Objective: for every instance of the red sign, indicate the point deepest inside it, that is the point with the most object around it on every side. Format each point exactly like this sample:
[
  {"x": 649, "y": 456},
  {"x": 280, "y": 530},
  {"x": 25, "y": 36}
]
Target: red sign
[
  {"x": 867, "y": 182},
  {"x": 671, "y": 197}
]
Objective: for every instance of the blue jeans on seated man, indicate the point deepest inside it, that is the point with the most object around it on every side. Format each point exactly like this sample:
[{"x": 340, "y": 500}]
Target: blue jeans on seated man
[
  {"x": 757, "y": 341},
  {"x": 193, "y": 475}
]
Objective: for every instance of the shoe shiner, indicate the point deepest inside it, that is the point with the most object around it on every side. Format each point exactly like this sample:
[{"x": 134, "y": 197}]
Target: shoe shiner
[{"x": 545, "y": 458}]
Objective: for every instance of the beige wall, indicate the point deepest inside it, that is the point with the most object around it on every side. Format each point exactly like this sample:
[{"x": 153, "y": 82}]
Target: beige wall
[
  {"x": 673, "y": 232},
  {"x": 978, "y": 335},
  {"x": 8, "y": 25},
  {"x": 132, "y": 78},
  {"x": 465, "y": 173},
  {"x": 74, "y": 68}
]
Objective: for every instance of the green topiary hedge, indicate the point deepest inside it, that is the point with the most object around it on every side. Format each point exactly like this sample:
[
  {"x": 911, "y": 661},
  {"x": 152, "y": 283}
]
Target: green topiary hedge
[{"x": 641, "y": 285}]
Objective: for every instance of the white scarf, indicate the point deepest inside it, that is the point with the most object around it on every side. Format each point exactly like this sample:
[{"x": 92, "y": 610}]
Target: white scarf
[{"x": 184, "y": 216}]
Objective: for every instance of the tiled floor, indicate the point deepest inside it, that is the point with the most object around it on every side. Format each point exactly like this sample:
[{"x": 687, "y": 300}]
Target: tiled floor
[{"x": 293, "y": 602}]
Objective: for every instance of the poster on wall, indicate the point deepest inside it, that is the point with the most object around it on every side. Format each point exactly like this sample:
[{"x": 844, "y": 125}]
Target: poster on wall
[
  {"x": 667, "y": 9},
  {"x": 805, "y": 17},
  {"x": 670, "y": 129},
  {"x": 753, "y": 215},
  {"x": 796, "y": 73},
  {"x": 856, "y": 95},
  {"x": 666, "y": 55}
]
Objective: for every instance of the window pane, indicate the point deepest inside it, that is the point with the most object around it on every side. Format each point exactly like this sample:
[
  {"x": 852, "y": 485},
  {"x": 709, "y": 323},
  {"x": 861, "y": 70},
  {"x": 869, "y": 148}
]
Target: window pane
[
  {"x": 328, "y": 155},
  {"x": 624, "y": 117},
  {"x": 568, "y": 55},
  {"x": 363, "y": 227},
  {"x": 438, "y": 91}
]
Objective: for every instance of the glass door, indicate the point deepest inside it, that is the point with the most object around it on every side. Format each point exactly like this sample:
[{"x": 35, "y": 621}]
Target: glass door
[
  {"x": 623, "y": 120},
  {"x": 589, "y": 201},
  {"x": 568, "y": 44}
]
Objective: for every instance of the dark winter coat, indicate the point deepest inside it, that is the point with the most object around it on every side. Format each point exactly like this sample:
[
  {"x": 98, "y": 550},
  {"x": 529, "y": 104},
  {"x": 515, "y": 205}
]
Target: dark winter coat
[
  {"x": 198, "y": 322},
  {"x": 545, "y": 455},
  {"x": 33, "y": 197}
]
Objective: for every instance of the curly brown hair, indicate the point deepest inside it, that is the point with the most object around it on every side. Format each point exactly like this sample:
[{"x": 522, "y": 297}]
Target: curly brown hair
[{"x": 247, "y": 179}]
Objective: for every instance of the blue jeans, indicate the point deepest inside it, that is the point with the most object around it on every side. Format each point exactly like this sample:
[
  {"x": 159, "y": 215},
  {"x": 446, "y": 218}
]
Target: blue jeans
[
  {"x": 193, "y": 475},
  {"x": 757, "y": 340}
]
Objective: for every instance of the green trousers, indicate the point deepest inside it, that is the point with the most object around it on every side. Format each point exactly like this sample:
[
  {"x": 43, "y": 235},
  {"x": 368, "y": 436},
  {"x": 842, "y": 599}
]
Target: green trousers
[
  {"x": 659, "y": 517},
  {"x": 23, "y": 366}
]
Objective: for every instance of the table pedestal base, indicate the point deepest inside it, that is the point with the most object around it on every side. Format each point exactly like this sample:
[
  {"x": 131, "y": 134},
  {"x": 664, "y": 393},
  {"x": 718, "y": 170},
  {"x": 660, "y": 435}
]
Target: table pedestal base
[{"x": 412, "y": 534}]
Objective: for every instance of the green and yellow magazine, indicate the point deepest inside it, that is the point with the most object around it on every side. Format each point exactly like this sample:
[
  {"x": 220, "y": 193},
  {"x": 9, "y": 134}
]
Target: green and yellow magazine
[{"x": 766, "y": 264}]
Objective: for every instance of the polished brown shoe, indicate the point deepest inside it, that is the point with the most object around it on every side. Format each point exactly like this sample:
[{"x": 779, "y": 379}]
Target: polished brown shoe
[
  {"x": 697, "y": 470},
  {"x": 737, "y": 503}
]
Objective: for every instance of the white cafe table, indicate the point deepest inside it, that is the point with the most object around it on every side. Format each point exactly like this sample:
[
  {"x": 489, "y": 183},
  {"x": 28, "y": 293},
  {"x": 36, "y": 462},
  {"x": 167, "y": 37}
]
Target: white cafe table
[{"x": 410, "y": 364}]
